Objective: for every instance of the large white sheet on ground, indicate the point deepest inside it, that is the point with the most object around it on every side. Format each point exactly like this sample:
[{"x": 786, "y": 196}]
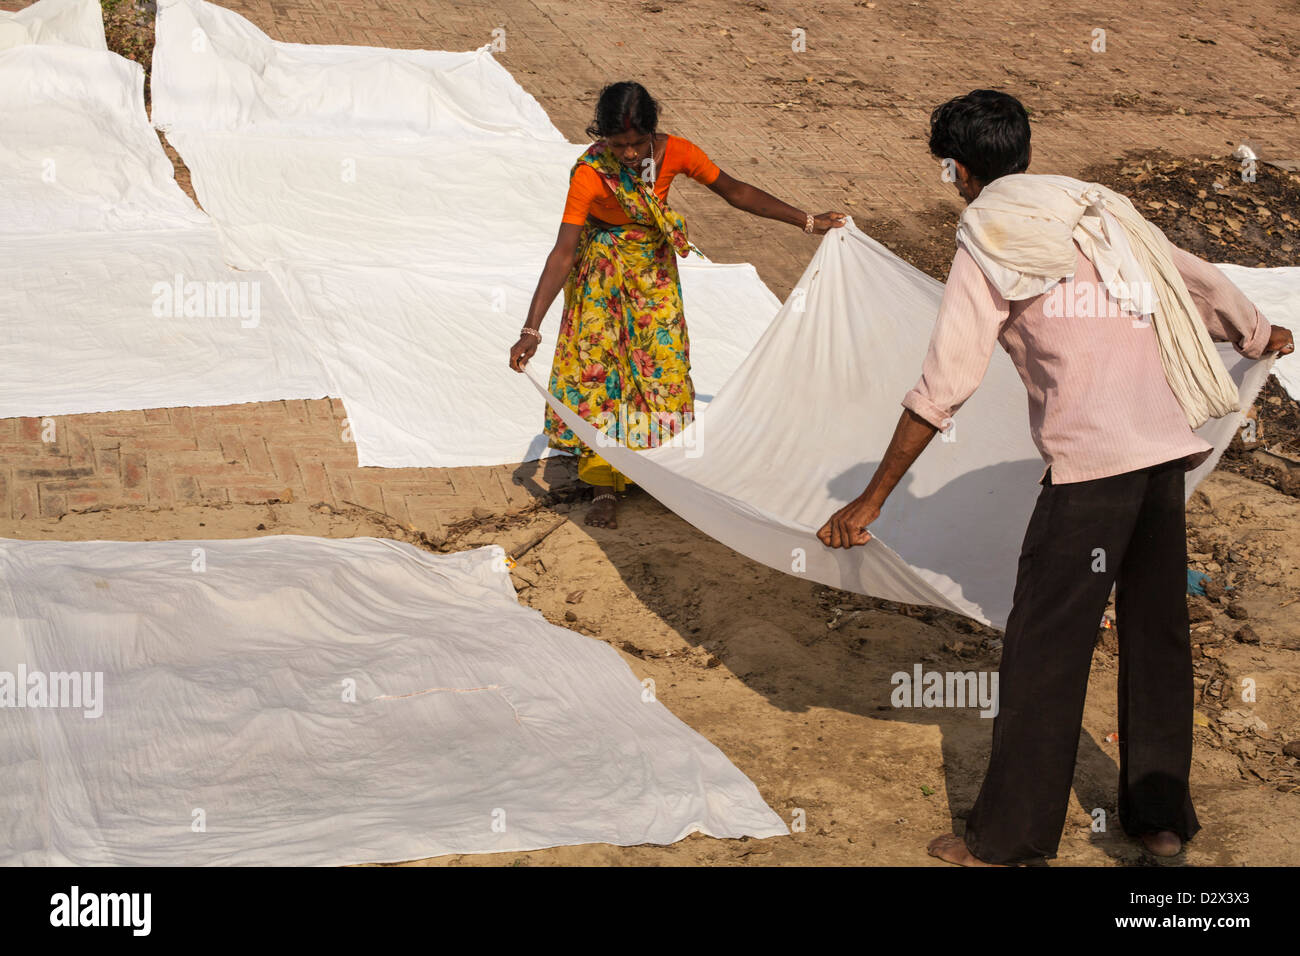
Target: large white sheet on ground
[
  {"x": 54, "y": 22},
  {"x": 406, "y": 200},
  {"x": 475, "y": 726},
  {"x": 95, "y": 237},
  {"x": 798, "y": 431}
]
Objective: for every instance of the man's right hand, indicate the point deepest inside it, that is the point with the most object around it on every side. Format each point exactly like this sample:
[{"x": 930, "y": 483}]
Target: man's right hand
[
  {"x": 1280, "y": 341},
  {"x": 522, "y": 351},
  {"x": 847, "y": 528}
]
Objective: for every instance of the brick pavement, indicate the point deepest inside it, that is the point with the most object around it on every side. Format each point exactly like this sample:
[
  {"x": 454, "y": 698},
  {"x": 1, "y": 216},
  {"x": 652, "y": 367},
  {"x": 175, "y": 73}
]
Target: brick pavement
[
  {"x": 288, "y": 450},
  {"x": 839, "y": 125}
]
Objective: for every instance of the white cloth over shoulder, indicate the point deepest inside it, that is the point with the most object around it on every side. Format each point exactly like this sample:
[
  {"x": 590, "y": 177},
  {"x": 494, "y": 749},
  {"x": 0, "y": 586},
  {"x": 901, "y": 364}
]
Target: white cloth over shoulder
[
  {"x": 300, "y": 701},
  {"x": 1021, "y": 231}
]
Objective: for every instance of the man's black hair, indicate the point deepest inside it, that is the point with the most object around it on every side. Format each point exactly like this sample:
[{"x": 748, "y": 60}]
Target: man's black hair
[
  {"x": 986, "y": 131},
  {"x": 622, "y": 107}
]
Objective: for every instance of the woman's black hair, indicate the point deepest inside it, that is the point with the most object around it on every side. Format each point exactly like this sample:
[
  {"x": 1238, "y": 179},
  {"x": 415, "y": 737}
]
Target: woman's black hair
[
  {"x": 986, "y": 131},
  {"x": 622, "y": 107}
]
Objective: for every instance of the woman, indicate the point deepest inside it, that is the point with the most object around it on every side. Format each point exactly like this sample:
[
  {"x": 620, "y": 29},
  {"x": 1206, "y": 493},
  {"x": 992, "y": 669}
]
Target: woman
[{"x": 623, "y": 357}]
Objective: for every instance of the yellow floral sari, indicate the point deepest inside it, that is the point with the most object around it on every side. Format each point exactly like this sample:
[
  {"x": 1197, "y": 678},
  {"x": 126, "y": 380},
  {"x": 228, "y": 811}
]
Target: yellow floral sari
[{"x": 622, "y": 360}]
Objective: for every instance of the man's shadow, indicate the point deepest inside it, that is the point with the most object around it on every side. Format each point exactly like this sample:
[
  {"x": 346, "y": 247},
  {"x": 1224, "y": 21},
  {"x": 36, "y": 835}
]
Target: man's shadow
[{"x": 795, "y": 679}]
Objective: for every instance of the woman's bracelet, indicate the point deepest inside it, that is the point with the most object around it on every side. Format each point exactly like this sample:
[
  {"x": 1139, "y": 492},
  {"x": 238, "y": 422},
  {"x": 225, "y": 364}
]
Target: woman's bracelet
[
  {"x": 527, "y": 331},
  {"x": 808, "y": 226}
]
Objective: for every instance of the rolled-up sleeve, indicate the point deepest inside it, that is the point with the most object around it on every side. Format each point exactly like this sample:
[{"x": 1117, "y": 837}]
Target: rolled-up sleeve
[
  {"x": 971, "y": 316},
  {"x": 1227, "y": 313}
]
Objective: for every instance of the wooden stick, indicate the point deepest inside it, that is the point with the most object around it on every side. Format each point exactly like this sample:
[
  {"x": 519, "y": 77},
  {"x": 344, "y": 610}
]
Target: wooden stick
[{"x": 520, "y": 552}]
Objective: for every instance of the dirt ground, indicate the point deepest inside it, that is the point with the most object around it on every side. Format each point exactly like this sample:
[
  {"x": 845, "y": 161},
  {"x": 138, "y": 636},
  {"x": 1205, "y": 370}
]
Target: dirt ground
[{"x": 792, "y": 680}]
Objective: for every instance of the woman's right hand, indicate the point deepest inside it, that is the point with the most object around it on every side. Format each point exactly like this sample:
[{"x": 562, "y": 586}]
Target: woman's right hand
[{"x": 523, "y": 350}]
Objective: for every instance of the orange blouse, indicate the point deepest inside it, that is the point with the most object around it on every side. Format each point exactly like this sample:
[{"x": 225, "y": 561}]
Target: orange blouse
[{"x": 588, "y": 193}]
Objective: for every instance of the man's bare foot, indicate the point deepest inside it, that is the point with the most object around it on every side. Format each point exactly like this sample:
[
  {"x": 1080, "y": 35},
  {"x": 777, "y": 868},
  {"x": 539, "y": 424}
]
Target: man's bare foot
[
  {"x": 603, "y": 512},
  {"x": 1163, "y": 843},
  {"x": 952, "y": 849}
]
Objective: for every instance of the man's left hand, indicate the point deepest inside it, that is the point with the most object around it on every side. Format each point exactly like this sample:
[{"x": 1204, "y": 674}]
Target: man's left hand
[{"x": 1280, "y": 341}]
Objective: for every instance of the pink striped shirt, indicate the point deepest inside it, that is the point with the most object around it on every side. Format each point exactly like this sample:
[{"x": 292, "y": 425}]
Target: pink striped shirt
[{"x": 1099, "y": 403}]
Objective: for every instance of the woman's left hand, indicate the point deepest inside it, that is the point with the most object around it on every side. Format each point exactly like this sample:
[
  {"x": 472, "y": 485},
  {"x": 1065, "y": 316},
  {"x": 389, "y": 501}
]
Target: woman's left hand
[{"x": 827, "y": 221}]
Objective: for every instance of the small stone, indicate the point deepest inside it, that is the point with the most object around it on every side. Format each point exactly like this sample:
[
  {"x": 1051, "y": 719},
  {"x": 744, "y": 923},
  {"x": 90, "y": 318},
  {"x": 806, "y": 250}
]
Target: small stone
[
  {"x": 1231, "y": 720},
  {"x": 1198, "y": 610},
  {"x": 1213, "y": 589},
  {"x": 480, "y": 512},
  {"x": 1211, "y": 652},
  {"x": 1237, "y": 612},
  {"x": 261, "y": 527},
  {"x": 573, "y": 597},
  {"x": 570, "y": 616},
  {"x": 1240, "y": 721},
  {"x": 1292, "y": 749},
  {"x": 1246, "y": 635}
]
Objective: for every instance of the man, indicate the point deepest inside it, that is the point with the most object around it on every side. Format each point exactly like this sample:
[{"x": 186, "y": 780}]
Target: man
[{"x": 1113, "y": 398}]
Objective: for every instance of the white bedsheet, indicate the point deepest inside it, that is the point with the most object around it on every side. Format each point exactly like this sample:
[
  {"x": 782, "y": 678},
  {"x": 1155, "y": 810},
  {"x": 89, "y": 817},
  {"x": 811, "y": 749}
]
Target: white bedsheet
[
  {"x": 225, "y": 735},
  {"x": 94, "y": 232},
  {"x": 54, "y": 22},
  {"x": 1276, "y": 292},
  {"x": 406, "y": 200},
  {"x": 798, "y": 431}
]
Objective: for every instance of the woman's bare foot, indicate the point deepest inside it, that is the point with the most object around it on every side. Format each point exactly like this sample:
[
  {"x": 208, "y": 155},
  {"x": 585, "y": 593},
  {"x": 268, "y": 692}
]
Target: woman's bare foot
[
  {"x": 603, "y": 512},
  {"x": 1163, "y": 843},
  {"x": 952, "y": 849}
]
